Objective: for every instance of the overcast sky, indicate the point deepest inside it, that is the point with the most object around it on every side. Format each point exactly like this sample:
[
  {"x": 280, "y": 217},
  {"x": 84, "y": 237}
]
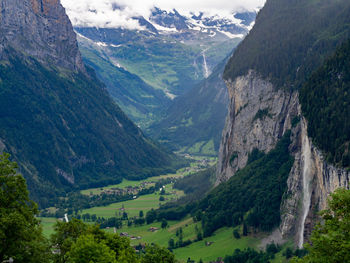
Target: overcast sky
[{"x": 100, "y": 13}]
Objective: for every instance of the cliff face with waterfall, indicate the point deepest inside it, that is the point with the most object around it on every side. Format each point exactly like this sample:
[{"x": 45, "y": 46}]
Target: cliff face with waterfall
[
  {"x": 263, "y": 78},
  {"x": 311, "y": 178}
]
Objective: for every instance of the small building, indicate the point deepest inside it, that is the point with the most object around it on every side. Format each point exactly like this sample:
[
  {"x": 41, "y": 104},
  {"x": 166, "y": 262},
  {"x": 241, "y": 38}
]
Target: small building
[
  {"x": 124, "y": 234},
  {"x": 153, "y": 229}
]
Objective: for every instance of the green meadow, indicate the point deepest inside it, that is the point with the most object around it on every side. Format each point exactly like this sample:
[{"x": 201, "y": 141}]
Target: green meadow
[
  {"x": 133, "y": 207},
  {"x": 220, "y": 244}
]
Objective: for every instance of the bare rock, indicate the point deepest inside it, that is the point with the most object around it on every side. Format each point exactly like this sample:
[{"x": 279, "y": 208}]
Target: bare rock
[{"x": 41, "y": 29}]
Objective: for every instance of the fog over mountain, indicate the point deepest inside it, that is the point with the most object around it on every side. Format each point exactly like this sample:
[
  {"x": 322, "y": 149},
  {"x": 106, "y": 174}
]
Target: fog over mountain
[{"x": 120, "y": 13}]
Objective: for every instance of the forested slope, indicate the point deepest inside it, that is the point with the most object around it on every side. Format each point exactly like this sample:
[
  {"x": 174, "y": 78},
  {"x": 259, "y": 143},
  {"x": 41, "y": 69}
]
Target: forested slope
[
  {"x": 291, "y": 39},
  {"x": 325, "y": 100},
  {"x": 67, "y": 133}
]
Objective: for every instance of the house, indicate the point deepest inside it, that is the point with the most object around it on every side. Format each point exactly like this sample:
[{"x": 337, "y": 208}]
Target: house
[
  {"x": 153, "y": 229},
  {"x": 124, "y": 234}
]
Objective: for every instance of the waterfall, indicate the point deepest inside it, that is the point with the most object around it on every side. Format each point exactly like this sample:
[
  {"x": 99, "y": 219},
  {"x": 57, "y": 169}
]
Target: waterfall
[
  {"x": 306, "y": 156},
  {"x": 205, "y": 65}
]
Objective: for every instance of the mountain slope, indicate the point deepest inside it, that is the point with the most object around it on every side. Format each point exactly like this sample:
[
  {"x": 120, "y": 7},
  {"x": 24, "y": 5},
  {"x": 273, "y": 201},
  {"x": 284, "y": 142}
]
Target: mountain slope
[
  {"x": 195, "y": 120},
  {"x": 140, "y": 101},
  {"x": 325, "y": 100},
  {"x": 289, "y": 41},
  {"x": 57, "y": 120}
]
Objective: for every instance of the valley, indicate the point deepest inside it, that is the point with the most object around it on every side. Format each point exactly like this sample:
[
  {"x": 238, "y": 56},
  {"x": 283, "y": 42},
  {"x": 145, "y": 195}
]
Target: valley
[
  {"x": 186, "y": 230},
  {"x": 174, "y": 132}
]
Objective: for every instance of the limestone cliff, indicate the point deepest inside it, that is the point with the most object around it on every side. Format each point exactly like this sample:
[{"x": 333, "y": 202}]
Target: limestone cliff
[
  {"x": 41, "y": 29},
  {"x": 259, "y": 115},
  {"x": 264, "y": 76}
]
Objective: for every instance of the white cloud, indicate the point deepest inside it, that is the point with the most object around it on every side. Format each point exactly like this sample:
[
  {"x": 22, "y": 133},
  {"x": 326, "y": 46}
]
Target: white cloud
[{"x": 100, "y": 13}]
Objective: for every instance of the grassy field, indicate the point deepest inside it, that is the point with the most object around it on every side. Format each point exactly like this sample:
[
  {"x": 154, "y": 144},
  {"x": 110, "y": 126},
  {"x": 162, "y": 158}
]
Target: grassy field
[
  {"x": 222, "y": 243},
  {"x": 133, "y": 207},
  {"x": 194, "y": 166},
  {"x": 47, "y": 224}
]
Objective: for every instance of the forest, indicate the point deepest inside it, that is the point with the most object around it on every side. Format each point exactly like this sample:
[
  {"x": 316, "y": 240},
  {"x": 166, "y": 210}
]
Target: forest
[{"x": 325, "y": 100}]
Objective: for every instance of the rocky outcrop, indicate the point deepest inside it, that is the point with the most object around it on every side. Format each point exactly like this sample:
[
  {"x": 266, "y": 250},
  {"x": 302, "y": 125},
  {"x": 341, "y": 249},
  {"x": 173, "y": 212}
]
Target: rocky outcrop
[
  {"x": 259, "y": 115},
  {"x": 41, "y": 29}
]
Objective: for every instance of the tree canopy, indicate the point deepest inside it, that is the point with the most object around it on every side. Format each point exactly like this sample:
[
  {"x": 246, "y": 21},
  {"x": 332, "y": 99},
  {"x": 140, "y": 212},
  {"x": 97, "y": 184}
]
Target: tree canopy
[
  {"x": 20, "y": 233},
  {"x": 330, "y": 240}
]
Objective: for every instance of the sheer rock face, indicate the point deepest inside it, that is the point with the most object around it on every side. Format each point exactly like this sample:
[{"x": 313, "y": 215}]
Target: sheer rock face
[
  {"x": 259, "y": 115},
  {"x": 41, "y": 29}
]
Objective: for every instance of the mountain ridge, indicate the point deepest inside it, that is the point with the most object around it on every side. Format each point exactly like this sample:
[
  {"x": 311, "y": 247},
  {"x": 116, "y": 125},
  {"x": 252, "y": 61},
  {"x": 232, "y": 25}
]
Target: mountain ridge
[{"x": 57, "y": 119}]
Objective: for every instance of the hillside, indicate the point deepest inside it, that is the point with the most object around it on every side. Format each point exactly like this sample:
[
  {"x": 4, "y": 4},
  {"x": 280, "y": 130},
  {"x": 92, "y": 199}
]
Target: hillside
[
  {"x": 194, "y": 121},
  {"x": 325, "y": 100},
  {"x": 268, "y": 78},
  {"x": 57, "y": 119},
  {"x": 251, "y": 197},
  {"x": 291, "y": 39},
  {"x": 140, "y": 101}
]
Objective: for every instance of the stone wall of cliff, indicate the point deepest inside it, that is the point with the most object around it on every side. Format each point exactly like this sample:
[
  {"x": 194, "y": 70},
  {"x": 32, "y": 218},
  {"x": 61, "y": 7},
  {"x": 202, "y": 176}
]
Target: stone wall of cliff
[
  {"x": 259, "y": 115},
  {"x": 41, "y": 29}
]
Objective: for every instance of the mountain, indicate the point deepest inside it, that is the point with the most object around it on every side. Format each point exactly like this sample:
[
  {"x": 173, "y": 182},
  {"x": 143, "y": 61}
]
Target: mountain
[
  {"x": 195, "y": 120},
  {"x": 139, "y": 100},
  {"x": 170, "y": 52},
  {"x": 280, "y": 83},
  {"x": 325, "y": 101},
  {"x": 57, "y": 119}
]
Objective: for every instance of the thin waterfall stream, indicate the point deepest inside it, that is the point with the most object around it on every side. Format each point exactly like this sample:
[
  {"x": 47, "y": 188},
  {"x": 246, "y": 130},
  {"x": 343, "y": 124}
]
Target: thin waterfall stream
[
  {"x": 306, "y": 155},
  {"x": 205, "y": 65}
]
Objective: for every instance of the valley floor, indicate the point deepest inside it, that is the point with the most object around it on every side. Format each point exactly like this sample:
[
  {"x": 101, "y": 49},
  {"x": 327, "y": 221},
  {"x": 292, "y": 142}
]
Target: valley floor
[{"x": 219, "y": 245}]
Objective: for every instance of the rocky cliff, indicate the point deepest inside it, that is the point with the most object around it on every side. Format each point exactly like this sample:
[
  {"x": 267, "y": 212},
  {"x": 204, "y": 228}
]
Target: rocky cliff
[
  {"x": 264, "y": 77},
  {"x": 39, "y": 28},
  {"x": 259, "y": 115}
]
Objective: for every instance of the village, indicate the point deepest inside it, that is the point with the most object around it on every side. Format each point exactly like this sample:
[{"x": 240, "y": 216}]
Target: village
[{"x": 128, "y": 190}]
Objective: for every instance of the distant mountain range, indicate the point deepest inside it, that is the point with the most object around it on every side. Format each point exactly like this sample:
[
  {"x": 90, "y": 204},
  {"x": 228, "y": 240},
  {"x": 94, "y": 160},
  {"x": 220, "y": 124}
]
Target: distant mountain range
[{"x": 171, "y": 54}]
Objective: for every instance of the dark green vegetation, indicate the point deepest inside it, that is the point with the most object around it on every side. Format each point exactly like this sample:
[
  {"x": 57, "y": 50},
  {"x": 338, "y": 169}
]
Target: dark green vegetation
[
  {"x": 248, "y": 255},
  {"x": 140, "y": 101},
  {"x": 20, "y": 231},
  {"x": 325, "y": 100},
  {"x": 81, "y": 243},
  {"x": 330, "y": 240},
  {"x": 262, "y": 114},
  {"x": 253, "y": 196},
  {"x": 75, "y": 242},
  {"x": 195, "y": 120},
  {"x": 291, "y": 39},
  {"x": 66, "y": 132},
  {"x": 197, "y": 184}
]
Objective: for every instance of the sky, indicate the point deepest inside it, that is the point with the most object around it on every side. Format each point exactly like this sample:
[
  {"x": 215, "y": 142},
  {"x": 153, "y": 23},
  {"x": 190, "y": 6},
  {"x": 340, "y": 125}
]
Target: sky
[{"x": 99, "y": 13}]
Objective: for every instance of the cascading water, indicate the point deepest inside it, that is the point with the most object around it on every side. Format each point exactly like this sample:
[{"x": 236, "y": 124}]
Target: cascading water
[
  {"x": 307, "y": 179},
  {"x": 205, "y": 65}
]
